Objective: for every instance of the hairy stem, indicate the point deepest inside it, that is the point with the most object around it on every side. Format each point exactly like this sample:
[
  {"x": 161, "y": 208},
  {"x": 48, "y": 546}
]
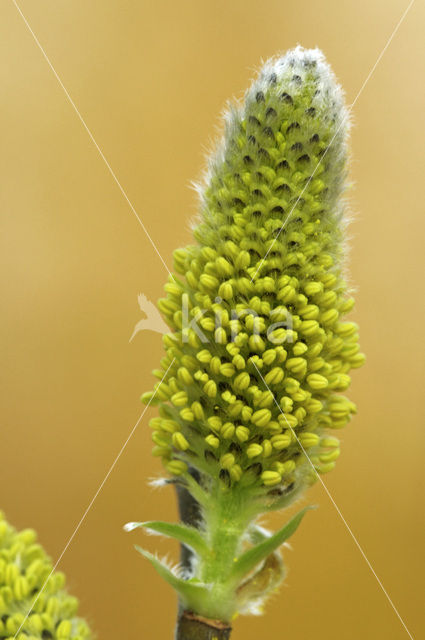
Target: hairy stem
[
  {"x": 191, "y": 626},
  {"x": 190, "y": 514}
]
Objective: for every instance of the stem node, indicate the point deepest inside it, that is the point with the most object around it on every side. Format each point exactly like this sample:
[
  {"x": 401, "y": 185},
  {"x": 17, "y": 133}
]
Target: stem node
[{"x": 193, "y": 627}]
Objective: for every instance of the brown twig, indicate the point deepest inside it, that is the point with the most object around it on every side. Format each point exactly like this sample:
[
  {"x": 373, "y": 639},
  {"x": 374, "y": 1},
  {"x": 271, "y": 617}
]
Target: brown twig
[{"x": 193, "y": 627}]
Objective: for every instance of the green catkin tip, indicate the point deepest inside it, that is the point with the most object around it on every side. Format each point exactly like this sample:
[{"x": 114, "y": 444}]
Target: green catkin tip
[
  {"x": 24, "y": 569},
  {"x": 261, "y": 346}
]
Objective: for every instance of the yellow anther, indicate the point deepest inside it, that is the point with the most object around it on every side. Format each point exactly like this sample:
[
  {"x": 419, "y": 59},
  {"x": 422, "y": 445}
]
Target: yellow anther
[
  {"x": 238, "y": 361},
  {"x": 242, "y": 260},
  {"x": 288, "y": 466},
  {"x": 314, "y": 406},
  {"x": 228, "y": 397},
  {"x": 198, "y": 411},
  {"x": 339, "y": 381},
  {"x": 271, "y": 478},
  {"x": 316, "y": 381},
  {"x": 347, "y": 305},
  {"x": 329, "y": 456},
  {"x": 309, "y": 439},
  {"x": 297, "y": 365},
  {"x": 261, "y": 418},
  {"x": 225, "y": 291},
  {"x": 325, "y": 468},
  {"x": 269, "y": 356},
  {"x": 159, "y": 439},
  {"x": 227, "y": 460},
  {"x": 242, "y": 433},
  {"x": 264, "y": 399},
  {"x": 281, "y": 441},
  {"x": 187, "y": 414},
  {"x": 204, "y": 356},
  {"x": 213, "y": 441},
  {"x": 287, "y": 420},
  {"x": 357, "y": 360},
  {"x": 235, "y": 472},
  {"x": 329, "y": 317},
  {"x": 274, "y": 376},
  {"x": 220, "y": 335},
  {"x": 224, "y": 268},
  {"x": 242, "y": 381},
  {"x": 286, "y": 294},
  {"x": 161, "y": 452},
  {"x": 227, "y": 369},
  {"x": 215, "y": 364},
  {"x": 300, "y": 414},
  {"x": 179, "y": 441},
  {"x": 256, "y": 343},
  {"x": 329, "y": 441},
  {"x": 267, "y": 448},
  {"x": 309, "y": 327},
  {"x": 179, "y": 399},
  {"x": 254, "y": 450},
  {"x": 215, "y": 423},
  {"x": 346, "y": 329},
  {"x": 210, "y": 388},
  {"x": 63, "y": 631},
  {"x": 277, "y": 336},
  {"x": 176, "y": 467},
  {"x": 169, "y": 426},
  {"x": 227, "y": 430},
  {"x": 246, "y": 413},
  {"x": 312, "y": 288},
  {"x": 316, "y": 364},
  {"x": 300, "y": 348},
  {"x": 286, "y": 404},
  {"x": 208, "y": 281},
  {"x": 309, "y": 312}
]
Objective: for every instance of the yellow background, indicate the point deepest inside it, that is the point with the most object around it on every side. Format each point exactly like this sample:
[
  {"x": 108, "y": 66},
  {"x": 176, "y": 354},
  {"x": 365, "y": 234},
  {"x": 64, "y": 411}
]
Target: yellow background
[{"x": 150, "y": 79}]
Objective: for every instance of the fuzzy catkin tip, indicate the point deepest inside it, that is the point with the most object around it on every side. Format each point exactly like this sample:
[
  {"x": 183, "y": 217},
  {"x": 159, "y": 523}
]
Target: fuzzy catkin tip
[{"x": 259, "y": 349}]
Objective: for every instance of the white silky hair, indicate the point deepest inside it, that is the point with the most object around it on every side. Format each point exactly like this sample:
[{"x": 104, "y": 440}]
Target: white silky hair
[{"x": 328, "y": 101}]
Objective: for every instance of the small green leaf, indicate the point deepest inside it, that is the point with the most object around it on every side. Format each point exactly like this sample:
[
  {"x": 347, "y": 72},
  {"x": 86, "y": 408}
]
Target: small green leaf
[
  {"x": 189, "y": 536},
  {"x": 190, "y": 592},
  {"x": 249, "y": 560}
]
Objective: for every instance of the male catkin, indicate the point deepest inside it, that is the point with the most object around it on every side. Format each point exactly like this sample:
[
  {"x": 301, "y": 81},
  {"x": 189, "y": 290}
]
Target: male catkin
[
  {"x": 28, "y": 586},
  {"x": 258, "y": 354}
]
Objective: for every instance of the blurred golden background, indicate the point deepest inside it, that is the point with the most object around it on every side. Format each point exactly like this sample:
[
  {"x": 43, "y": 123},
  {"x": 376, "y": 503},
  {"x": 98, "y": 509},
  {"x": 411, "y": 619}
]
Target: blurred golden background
[{"x": 150, "y": 80}]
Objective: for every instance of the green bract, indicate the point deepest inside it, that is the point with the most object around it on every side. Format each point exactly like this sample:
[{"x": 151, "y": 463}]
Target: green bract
[
  {"x": 24, "y": 569},
  {"x": 259, "y": 351}
]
